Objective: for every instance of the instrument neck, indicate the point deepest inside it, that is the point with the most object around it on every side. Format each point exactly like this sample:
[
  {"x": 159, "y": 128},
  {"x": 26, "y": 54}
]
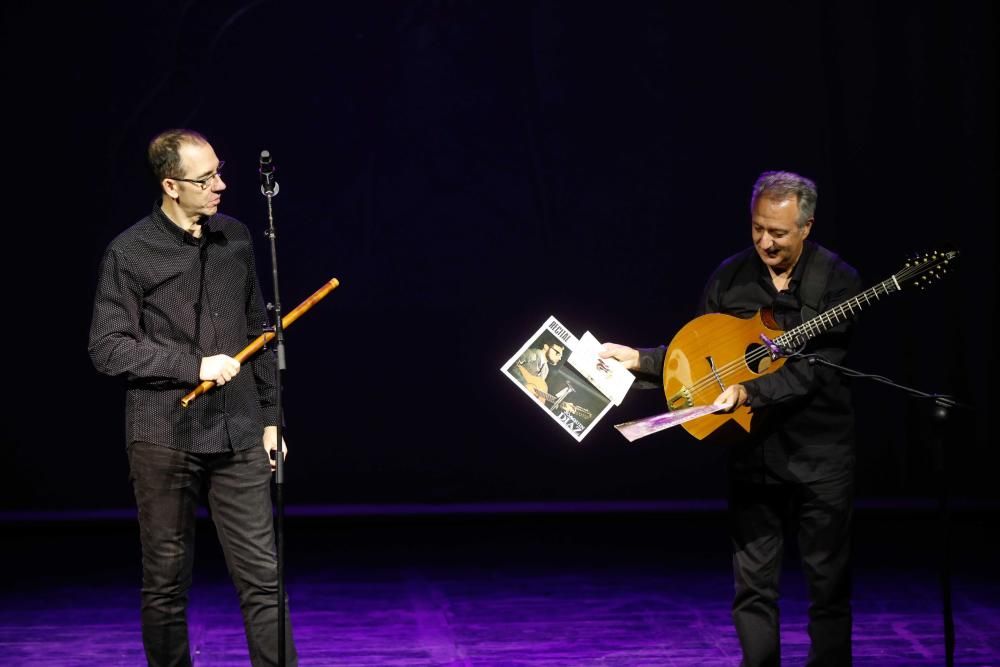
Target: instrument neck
[{"x": 838, "y": 314}]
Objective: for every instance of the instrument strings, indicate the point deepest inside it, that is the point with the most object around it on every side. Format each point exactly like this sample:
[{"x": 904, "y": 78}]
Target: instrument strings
[
  {"x": 818, "y": 324},
  {"x": 810, "y": 328}
]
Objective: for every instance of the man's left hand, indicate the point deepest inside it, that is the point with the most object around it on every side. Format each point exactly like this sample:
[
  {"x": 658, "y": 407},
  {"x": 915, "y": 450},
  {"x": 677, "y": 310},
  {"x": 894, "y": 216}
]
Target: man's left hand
[{"x": 271, "y": 445}]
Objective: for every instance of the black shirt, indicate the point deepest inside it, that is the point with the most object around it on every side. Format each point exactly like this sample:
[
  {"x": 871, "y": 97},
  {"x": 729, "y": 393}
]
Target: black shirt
[
  {"x": 803, "y": 421},
  {"x": 164, "y": 300}
]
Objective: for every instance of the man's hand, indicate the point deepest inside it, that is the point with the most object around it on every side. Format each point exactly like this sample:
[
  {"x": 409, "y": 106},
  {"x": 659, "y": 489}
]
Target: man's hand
[
  {"x": 627, "y": 355},
  {"x": 732, "y": 398},
  {"x": 220, "y": 369},
  {"x": 271, "y": 445}
]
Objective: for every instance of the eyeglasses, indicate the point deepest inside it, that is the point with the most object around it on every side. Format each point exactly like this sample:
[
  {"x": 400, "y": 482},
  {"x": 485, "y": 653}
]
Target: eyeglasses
[{"x": 208, "y": 180}]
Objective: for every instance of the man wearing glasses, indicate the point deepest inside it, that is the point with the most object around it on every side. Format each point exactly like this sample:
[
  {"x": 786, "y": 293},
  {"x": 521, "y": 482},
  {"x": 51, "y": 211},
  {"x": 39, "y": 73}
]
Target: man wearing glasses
[{"x": 177, "y": 295}]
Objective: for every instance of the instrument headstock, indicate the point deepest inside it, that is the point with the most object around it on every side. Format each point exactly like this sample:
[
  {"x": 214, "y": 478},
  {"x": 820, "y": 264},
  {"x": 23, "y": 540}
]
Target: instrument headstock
[{"x": 926, "y": 267}]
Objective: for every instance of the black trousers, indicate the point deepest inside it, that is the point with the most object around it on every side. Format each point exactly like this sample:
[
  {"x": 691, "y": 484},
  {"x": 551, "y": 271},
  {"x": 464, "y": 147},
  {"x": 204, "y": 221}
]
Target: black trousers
[
  {"x": 820, "y": 513},
  {"x": 168, "y": 485}
]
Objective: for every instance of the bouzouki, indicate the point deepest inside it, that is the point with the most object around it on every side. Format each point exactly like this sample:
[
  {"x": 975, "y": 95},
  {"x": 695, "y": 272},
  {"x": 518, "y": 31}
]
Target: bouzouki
[{"x": 714, "y": 351}]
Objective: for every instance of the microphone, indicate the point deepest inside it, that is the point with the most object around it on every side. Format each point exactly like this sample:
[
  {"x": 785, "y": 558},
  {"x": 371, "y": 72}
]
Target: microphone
[{"x": 268, "y": 186}]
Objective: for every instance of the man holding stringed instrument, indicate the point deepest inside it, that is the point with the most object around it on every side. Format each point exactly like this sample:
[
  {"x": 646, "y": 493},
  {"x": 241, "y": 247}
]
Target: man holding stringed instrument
[
  {"x": 177, "y": 295},
  {"x": 793, "y": 468}
]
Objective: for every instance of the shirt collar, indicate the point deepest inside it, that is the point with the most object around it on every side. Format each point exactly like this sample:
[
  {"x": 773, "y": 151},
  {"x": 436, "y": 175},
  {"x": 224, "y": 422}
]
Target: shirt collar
[
  {"x": 174, "y": 230},
  {"x": 800, "y": 266}
]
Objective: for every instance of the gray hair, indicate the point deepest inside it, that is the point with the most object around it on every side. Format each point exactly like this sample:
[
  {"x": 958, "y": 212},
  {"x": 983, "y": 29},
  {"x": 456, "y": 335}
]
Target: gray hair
[{"x": 781, "y": 185}]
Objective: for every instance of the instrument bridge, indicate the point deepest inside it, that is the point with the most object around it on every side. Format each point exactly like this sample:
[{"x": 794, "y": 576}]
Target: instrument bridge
[{"x": 682, "y": 399}]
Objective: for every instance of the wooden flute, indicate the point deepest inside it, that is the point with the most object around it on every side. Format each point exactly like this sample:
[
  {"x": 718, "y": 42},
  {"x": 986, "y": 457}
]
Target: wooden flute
[{"x": 253, "y": 347}]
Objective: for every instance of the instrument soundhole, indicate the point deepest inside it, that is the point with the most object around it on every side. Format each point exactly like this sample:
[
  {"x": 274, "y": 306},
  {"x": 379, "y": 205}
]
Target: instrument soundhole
[{"x": 757, "y": 359}]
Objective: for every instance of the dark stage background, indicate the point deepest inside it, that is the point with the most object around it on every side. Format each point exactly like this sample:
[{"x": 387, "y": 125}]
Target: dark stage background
[{"x": 468, "y": 169}]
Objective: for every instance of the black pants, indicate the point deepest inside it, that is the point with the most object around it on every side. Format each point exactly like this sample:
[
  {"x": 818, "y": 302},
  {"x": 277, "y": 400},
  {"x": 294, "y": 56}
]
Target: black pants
[
  {"x": 820, "y": 512},
  {"x": 168, "y": 485}
]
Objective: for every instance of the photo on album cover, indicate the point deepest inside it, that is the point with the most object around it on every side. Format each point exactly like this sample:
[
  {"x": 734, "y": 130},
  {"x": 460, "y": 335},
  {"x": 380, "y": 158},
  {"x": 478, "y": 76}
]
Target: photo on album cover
[{"x": 541, "y": 370}]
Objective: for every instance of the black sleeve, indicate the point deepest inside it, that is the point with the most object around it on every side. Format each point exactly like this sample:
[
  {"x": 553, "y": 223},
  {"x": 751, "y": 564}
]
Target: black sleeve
[
  {"x": 649, "y": 375},
  {"x": 118, "y": 345}
]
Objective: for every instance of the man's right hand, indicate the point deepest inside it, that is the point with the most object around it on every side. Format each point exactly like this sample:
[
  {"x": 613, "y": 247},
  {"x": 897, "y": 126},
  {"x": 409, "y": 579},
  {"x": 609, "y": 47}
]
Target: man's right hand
[
  {"x": 220, "y": 369},
  {"x": 627, "y": 355},
  {"x": 734, "y": 396}
]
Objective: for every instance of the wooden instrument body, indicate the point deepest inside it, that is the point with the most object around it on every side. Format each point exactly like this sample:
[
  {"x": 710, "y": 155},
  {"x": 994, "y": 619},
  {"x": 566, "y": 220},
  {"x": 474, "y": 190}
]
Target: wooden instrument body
[
  {"x": 688, "y": 377},
  {"x": 716, "y": 351},
  {"x": 537, "y": 385}
]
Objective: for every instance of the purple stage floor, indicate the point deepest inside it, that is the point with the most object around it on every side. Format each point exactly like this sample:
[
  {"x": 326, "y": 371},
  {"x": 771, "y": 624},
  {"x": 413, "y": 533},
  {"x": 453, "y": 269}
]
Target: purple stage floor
[{"x": 608, "y": 589}]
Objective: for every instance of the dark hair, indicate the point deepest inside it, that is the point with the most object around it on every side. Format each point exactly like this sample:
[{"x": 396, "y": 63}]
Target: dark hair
[
  {"x": 164, "y": 152},
  {"x": 550, "y": 339}
]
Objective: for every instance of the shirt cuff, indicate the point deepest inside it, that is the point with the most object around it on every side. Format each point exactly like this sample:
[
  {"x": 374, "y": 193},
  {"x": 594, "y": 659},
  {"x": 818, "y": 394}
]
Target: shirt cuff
[
  {"x": 189, "y": 368},
  {"x": 270, "y": 415},
  {"x": 651, "y": 360}
]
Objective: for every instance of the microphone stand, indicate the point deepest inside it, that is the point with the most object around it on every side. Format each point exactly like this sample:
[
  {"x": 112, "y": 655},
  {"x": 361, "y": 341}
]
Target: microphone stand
[
  {"x": 269, "y": 188},
  {"x": 940, "y": 407}
]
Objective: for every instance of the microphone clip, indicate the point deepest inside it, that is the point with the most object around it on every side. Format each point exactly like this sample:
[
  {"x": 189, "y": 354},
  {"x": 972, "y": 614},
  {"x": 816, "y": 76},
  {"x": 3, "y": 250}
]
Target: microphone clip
[
  {"x": 268, "y": 185},
  {"x": 773, "y": 349}
]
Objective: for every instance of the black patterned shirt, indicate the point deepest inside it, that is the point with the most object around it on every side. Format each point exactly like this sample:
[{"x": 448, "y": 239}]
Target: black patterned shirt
[
  {"x": 166, "y": 299},
  {"x": 803, "y": 418}
]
